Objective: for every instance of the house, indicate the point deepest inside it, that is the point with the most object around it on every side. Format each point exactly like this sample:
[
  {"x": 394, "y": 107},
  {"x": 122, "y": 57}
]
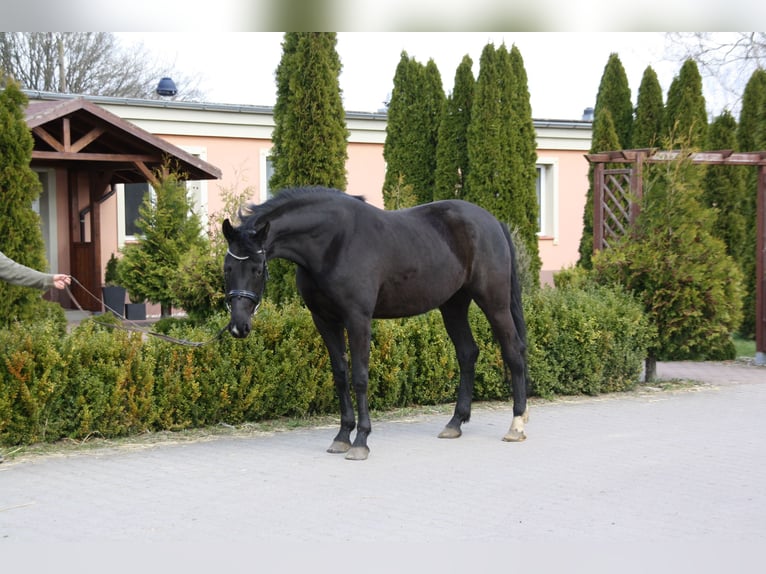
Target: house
[{"x": 226, "y": 148}]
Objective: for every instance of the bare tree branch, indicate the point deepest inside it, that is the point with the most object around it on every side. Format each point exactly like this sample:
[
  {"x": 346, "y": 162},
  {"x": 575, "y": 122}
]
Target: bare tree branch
[
  {"x": 725, "y": 60},
  {"x": 93, "y": 63}
]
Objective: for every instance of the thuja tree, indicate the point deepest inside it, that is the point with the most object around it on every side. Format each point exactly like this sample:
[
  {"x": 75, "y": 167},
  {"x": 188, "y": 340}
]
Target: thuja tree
[
  {"x": 685, "y": 118},
  {"x": 169, "y": 228},
  {"x": 751, "y": 136},
  {"x": 647, "y": 127},
  {"x": 614, "y": 95},
  {"x": 612, "y": 102},
  {"x": 414, "y": 115},
  {"x": 501, "y": 146},
  {"x": 672, "y": 261},
  {"x": 724, "y": 190},
  {"x": 489, "y": 179},
  {"x": 309, "y": 142},
  {"x": 310, "y": 138},
  {"x": 452, "y": 146},
  {"x": 525, "y": 208},
  {"x": 20, "y": 235}
]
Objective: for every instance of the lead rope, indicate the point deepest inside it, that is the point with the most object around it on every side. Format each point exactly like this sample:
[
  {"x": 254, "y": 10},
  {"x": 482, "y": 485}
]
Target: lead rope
[{"x": 135, "y": 327}]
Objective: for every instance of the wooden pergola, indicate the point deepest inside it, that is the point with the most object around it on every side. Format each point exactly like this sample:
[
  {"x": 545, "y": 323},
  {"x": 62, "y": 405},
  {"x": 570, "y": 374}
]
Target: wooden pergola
[{"x": 617, "y": 192}]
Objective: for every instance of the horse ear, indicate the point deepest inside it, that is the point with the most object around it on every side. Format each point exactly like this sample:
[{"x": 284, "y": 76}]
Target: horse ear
[
  {"x": 228, "y": 230},
  {"x": 261, "y": 232}
]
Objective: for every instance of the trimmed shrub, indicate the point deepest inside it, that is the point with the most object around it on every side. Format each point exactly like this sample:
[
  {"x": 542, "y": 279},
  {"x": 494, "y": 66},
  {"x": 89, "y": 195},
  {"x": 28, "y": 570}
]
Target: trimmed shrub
[
  {"x": 30, "y": 371},
  {"x": 106, "y": 385},
  {"x": 109, "y": 382},
  {"x": 585, "y": 340}
]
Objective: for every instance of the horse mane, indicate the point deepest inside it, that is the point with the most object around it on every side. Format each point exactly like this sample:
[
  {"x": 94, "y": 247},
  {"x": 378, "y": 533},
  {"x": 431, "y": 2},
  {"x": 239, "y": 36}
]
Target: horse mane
[{"x": 286, "y": 199}]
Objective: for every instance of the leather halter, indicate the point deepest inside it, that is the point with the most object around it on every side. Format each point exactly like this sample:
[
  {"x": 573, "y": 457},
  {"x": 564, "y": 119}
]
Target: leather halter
[{"x": 251, "y": 295}]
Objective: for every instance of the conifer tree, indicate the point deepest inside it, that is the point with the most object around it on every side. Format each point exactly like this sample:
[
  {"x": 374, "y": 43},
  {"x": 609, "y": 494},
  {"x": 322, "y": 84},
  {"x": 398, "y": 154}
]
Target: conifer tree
[
  {"x": 525, "y": 208},
  {"x": 488, "y": 179},
  {"x": 309, "y": 143},
  {"x": 414, "y": 116},
  {"x": 724, "y": 189},
  {"x": 685, "y": 118},
  {"x": 20, "y": 235},
  {"x": 647, "y": 128},
  {"x": 751, "y": 136},
  {"x": 452, "y": 146},
  {"x": 612, "y": 102},
  {"x": 169, "y": 228},
  {"x": 282, "y": 114},
  {"x": 310, "y": 138},
  {"x": 614, "y": 95},
  {"x": 502, "y": 147}
]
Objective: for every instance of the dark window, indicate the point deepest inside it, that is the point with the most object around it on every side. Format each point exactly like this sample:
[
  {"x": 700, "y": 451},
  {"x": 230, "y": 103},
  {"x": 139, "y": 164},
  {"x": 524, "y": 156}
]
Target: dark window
[{"x": 134, "y": 197}]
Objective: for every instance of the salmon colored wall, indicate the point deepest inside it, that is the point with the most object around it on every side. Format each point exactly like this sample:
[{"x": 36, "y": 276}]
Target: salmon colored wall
[
  {"x": 563, "y": 250},
  {"x": 239, "y": 160},
  {"x": 366, "y": 170},
  {"x": 240, "y": 163}
]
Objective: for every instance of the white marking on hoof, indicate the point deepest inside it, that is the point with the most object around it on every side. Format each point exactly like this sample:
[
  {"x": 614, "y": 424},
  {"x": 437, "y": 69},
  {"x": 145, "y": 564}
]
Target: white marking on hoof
[{"x": 516, "y": 432}]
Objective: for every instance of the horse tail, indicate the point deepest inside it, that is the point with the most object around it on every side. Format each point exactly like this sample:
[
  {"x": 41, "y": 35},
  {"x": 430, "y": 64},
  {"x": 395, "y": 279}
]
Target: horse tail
[{"x": 517, "y": 307}]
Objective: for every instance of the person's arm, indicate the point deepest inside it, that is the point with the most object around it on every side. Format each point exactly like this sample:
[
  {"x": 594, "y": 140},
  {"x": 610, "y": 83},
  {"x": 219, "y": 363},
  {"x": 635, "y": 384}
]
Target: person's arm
[{"x": 18, "y": 274}]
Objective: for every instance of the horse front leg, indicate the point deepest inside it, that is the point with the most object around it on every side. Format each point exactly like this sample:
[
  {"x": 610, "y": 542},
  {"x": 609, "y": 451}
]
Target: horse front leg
[
  {"x": 359, "y": 343},
  {"x": 333, "y": 335}
]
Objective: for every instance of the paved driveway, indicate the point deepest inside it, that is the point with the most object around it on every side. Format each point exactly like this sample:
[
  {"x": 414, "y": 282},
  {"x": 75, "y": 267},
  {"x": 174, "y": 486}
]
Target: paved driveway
[{"x": 685, "y": 465}]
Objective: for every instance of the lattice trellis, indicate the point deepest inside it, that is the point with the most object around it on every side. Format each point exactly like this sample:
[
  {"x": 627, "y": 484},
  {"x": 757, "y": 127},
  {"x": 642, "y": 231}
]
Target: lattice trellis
[{"x": 617, "y": 204}]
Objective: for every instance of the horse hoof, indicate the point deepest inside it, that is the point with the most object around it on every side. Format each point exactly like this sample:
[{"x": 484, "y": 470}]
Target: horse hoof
[
  {"x": 450, "y": 432},
  {"x": 514, "y": 435},
  {"x": 358, "y": 453},
  {"x": 516, "y": 432},
  {"x": 339, "y": 447}
]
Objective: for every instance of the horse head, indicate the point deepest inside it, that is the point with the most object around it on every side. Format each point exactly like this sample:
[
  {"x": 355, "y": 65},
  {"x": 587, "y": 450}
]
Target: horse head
[{"x": 245, "y": 275}]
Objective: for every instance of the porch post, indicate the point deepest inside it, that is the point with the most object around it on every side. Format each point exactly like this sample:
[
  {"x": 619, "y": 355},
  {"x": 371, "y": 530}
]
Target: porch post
[{"x": 598, "y": 206}]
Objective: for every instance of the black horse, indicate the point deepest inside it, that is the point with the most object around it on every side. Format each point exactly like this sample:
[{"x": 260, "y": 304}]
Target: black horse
[{"x": 356, "y": 262}]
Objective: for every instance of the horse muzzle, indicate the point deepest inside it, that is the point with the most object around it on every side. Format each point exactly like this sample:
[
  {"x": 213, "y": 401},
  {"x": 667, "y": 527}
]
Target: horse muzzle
[{"x": 241, "y": 319}]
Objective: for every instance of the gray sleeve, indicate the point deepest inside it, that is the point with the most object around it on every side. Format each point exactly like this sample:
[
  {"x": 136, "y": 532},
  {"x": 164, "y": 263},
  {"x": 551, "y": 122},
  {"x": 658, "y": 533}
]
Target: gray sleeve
[{"x": 18, "y": 274}]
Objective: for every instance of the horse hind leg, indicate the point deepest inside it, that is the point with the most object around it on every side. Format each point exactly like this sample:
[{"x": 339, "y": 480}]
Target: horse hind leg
[
  {"x": 455, "y": 316},
  {"x": 513, "y": 350}
]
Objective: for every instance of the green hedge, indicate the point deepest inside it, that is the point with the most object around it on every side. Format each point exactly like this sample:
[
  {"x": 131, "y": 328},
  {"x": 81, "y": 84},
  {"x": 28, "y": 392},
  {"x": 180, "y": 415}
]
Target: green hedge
[{"x": 99, "y": 381}]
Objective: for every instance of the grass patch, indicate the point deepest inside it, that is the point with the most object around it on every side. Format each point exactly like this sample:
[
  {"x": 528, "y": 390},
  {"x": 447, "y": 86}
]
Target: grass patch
[{"x": 744, "y": 347}]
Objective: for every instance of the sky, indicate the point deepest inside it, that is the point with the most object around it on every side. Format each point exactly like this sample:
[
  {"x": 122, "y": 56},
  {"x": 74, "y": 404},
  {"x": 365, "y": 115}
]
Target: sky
[{"x": 564, "y": 69}]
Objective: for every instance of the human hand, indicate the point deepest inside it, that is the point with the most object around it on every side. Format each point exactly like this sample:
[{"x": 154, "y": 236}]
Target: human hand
[{"x": 60, "y": 280}]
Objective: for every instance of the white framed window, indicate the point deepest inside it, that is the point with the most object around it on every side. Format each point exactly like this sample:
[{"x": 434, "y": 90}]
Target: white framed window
[
  {"x": 547, "y": 198},
  {"x": 197, "y": 190},
  {"x": 266, "y": 170},
  {"x": 45, "y": 207},
  {"x": 130, "y": 196}
]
